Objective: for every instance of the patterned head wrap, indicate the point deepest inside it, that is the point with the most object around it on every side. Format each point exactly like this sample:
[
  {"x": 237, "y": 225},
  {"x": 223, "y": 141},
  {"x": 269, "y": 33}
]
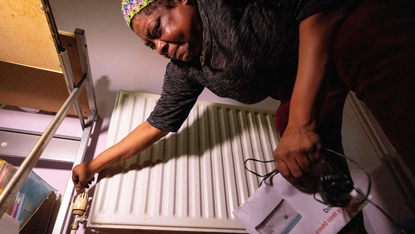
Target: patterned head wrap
[{"x": 130, "y": 8}]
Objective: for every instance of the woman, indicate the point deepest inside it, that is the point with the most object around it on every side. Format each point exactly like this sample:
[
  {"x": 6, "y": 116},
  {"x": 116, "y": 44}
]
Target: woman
[
  {"x": 248, "y": 50},
  {"x": 244, "y": 50}
]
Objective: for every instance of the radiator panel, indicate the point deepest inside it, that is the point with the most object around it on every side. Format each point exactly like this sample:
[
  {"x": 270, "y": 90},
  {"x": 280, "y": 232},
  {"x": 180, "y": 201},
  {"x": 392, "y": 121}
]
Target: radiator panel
[{"x": 191, "y": 180}]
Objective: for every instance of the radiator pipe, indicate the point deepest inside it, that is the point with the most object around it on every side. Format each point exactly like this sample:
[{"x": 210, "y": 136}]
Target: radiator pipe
[{"x": 78, "y": 210}]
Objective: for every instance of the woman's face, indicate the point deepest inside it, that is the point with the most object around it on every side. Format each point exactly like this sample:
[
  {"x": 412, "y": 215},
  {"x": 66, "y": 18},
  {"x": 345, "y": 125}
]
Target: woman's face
[{"x": 175, "y": 33}]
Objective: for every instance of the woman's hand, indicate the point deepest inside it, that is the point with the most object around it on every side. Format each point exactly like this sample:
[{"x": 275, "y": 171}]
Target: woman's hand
[
  {"x": 295, "y": 155},
  {"x": 82, "y": 176}
]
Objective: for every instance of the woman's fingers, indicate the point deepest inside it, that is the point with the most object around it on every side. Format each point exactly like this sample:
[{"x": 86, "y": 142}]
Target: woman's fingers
[
  {"x": 91, "y": 180},
  {"x": 77, "y": 183},
  {"x": 283, "y": 169},
  {"x": 304, "y": 164},
  {"x": 81, "y": 178},
  {"x": 287, "y": 166},
  {"x": 285, "y": 172},
  {"x": 295, "y": 167},
  {"x": 294, "y": 163},
  {"x": 314, "y": 155}
]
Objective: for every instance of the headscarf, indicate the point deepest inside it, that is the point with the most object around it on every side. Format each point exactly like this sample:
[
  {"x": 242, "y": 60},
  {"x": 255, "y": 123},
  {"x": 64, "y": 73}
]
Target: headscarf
[{"x": 130, "y": 8}]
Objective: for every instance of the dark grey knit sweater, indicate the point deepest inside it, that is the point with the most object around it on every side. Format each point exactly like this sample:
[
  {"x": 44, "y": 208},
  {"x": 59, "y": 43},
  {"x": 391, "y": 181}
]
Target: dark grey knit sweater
[{"x": 250, "y": 49}]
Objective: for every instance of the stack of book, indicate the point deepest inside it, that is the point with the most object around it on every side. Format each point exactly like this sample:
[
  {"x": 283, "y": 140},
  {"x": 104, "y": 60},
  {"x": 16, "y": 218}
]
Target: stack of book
[{"x": 32, "y": 193}]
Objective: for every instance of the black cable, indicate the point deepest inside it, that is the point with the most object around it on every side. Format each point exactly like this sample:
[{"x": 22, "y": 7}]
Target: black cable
[
  {"x": 369, "y": 186},
  {"x": 273, "y": 172}
]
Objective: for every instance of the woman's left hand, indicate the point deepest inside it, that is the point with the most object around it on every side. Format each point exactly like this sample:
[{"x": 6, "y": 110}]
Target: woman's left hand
[
  {"x": 296, "y": 153},
  {"x": 82, "y": 176}
]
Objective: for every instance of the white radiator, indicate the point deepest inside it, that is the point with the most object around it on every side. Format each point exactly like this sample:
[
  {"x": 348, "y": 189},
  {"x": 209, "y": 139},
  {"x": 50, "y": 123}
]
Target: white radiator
[{"x": 188, "y": 181}]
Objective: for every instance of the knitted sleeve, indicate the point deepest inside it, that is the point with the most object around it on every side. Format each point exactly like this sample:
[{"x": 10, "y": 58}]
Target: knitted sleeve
[{"x": 180, "y": 92}]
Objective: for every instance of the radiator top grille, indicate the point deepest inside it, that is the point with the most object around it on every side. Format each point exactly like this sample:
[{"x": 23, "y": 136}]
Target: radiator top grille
[{"x": 191, "y": 180}]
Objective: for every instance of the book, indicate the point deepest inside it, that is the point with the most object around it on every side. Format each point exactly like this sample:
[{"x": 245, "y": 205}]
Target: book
[{"x": 3, "y": 172}]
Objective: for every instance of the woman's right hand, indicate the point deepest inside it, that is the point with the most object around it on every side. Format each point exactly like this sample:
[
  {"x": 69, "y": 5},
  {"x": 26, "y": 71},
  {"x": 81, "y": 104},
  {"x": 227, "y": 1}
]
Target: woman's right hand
[{"x": 82, "y": 176}]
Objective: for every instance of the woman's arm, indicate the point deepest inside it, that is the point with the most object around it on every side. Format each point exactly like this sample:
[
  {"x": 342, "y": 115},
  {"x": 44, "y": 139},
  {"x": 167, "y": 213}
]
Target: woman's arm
[
  {"x": 136, "y": 142},
  {"x": 299, "y": 146}
]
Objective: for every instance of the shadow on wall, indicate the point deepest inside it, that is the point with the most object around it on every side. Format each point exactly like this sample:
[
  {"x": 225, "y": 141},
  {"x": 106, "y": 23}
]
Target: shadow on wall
[
  {"x": 103, "y": 94},
  {"x": 92, "y": 144}
]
